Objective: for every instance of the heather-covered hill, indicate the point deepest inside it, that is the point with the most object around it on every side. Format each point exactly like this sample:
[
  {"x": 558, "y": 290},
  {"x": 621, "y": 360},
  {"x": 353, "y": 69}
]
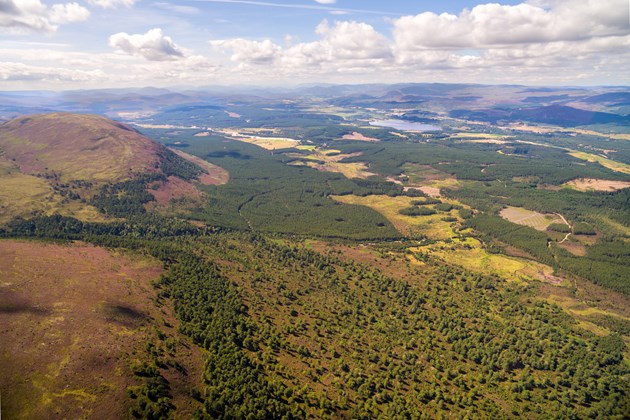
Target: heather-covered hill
[
  {"x": 78, "y": 147},
  {"x": 79, "y": 329},
  {"x": 88, "y": 166}
]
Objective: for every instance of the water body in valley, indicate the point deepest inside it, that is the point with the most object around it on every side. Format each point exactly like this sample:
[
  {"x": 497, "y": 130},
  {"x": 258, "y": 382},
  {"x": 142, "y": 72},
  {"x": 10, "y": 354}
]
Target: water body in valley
[{"x": 406, "y": 125}]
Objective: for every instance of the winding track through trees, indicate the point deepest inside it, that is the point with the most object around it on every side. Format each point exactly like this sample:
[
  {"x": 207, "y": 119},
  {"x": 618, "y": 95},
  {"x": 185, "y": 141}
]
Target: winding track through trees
[{"x": 566, "y": 223}]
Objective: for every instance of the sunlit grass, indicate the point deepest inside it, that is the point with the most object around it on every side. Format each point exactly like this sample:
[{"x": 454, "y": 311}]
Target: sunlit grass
[
  {"x": 306, "y": 147},
  {"x": 607, "y": 135},
  {"x": 469, "y": 253},
  {"x": 268, "y": 143},
  {"x": 22, "y": 194},
  {"x": 450, "y": 246},
  {"x": 582, "y": 312},
  {"x": 607, "y": 163},
  {"x": 431, "y": 226},
  {"x": 612, "y": 225},
  {"x": 329, "y": 160}
]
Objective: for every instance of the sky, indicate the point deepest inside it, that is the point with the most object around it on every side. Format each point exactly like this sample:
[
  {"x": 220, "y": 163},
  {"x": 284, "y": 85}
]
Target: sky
[{"x": 87, "y": 44}]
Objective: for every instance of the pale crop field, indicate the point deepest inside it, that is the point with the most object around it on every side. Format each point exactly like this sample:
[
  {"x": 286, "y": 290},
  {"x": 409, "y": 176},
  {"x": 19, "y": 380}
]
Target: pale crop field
[{"x": 521, "y": 216}]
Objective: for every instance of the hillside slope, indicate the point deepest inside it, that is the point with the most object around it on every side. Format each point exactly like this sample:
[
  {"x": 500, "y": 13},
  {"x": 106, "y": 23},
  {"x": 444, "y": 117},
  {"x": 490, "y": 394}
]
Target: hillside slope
[
  {"x": 75, "y": 324},
  {"x": 78, "y": 147},
  {"x": 63, "y": 163}
]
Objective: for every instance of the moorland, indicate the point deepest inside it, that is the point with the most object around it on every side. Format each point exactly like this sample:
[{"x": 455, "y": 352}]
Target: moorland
[{"x": 403, "y": 251}]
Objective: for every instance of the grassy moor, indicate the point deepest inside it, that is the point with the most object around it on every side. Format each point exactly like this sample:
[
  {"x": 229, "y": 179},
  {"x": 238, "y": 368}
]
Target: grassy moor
[
  {"x": 75, "y": 321},
  {"x": 260, "y": 257},
  {"x": 314, "y": 209}
]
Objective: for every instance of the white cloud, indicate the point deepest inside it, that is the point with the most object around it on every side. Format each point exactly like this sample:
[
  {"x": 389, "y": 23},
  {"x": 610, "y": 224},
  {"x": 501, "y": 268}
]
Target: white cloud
[
  {"x": 524, "y": 43},
  {"x": 343, "y": 42},
  {"x": 191, "y": 69},
  {"x": 494, "y": 24},
  {"x": 326, "y": 1},
  {"x": 536, "y": 42},
  {"x": 353, "y": 40},
  {"x": 33, "y": 15},
  {"x": 62, "y": 69},
  {"x": 153, "y": 45},
  {"x": 490, "y": 43},
  {"x": 244, "y": 50},
  {"x": 110, "y": 4},
  {"x": 69, "y": 12},
  {"x": 12, "y": 71}
]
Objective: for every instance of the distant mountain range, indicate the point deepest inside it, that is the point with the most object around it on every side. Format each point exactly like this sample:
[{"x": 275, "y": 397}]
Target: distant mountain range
[
  {"x": 564, "y": 116},
  {"x": 565, "y": 106}
]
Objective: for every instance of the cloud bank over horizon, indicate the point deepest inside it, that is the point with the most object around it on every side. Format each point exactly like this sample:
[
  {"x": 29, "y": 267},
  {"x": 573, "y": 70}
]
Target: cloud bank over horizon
[{"x": 532, "y": 42}]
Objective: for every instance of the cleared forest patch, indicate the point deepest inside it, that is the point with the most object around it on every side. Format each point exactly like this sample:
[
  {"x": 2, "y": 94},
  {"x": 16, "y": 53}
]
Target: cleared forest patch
[
  {"x": 574, "y": 248},
  {"x": 358, "y": 136},
  {"x": 174, "y": 189},
  {"x": 486, "y": 141},
  {"x": 268, "y": 143},
  {"x": 428, "y": 179},
  {"x": 328, "y": 160},
  {"x": 521, "y": 216},
  {"x": 591, "y": 184},
  {"x": 216, "y": 175},
  {"x": 481, "y": 138},
  {"x": 433, "y": 226}
]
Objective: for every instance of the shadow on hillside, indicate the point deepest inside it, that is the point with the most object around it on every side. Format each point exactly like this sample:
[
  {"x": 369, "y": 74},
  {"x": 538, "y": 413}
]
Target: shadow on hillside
[
  {"x": 228, "y": 153},
  {"x": 125, "y": 315},
  {"x": 13, "y": 303}
]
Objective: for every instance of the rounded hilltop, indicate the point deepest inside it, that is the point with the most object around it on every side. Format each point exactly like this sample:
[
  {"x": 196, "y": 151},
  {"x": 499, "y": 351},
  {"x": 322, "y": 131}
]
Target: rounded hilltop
[
  {"x": 87, "y": 166},
  {"x": 78, "y": 147}
]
